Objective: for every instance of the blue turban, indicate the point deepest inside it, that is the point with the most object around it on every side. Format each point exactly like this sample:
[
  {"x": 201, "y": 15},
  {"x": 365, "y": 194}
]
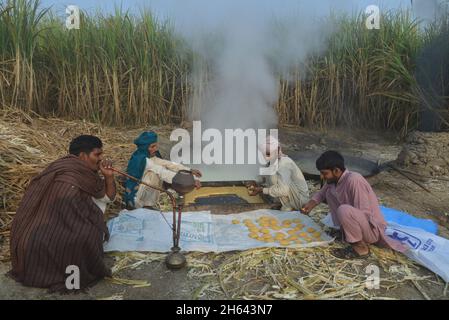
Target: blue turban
[{"x": 137, "y": 163}]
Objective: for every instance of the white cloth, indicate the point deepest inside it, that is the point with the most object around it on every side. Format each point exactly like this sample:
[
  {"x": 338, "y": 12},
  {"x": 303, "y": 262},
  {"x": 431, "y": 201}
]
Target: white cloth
[
  {"x": 146, "y": 230},
  {"x": 272, "y": 145},
  {"x": 156, "y": 172},
  {"x": 288, "y": 184},
  {"x": 102, "y": 202}
]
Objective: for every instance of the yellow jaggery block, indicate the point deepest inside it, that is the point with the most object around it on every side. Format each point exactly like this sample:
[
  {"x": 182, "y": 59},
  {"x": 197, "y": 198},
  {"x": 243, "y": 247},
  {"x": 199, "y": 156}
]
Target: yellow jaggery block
[
  {"x": 316, "y": 234},
  {"x": 267, "y": 235},
  {"x": 260, "y": 238},
  {"x": 279, "y": 235},
  {"x": 266, "y": 231},
  {"x": 247, "y": 221},
  {"x": 299, "y": 227},
  {"x": 254, "y": 230},
  {"x": 292, "y": 238},
  {"x": 291, "y": 231},
  {"x": 270, "y": 239},
  {"x": 235, "y": 221},
  {"x": 310, "y": 230},
  {"x": 303, "y": 235},
  {"x": 284, "y": 242},
  {"x": 277, "y": 228},
  {"x": 253, "y": 235},
  {"x": 298, "y": 241}
]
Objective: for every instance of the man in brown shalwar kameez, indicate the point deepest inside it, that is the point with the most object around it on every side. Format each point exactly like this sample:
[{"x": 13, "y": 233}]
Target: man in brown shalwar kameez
[
  {"x": 354, "y": 207},
  {"x": 60, "y": 223}
]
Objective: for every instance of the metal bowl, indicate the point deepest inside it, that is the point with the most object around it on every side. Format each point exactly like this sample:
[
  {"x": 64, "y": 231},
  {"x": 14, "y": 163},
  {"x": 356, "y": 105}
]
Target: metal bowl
[{"x": 306, "y": 162}]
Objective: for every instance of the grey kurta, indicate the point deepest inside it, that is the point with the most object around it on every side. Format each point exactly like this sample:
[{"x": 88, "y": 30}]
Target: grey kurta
[{"x": 288, "y": 184}]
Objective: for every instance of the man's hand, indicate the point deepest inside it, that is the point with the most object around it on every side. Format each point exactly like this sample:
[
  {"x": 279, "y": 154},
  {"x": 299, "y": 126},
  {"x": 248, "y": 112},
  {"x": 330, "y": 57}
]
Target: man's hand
[
  {"x": 250, "y": 184},
  {"x": 109, "y": 181},
  {"x": 196, "y": 173},
  {"x": 197, "y": 184},
  {"x": 254, "y": 190},
  {"x": 308, "y": 207},
  {"x": 105, "y": 168}
]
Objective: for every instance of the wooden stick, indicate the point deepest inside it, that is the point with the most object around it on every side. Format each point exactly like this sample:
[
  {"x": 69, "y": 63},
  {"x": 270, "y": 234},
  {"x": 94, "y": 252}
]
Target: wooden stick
[
  {"x": 424, "y": 176},
  {"x": 411, "y": 179}
]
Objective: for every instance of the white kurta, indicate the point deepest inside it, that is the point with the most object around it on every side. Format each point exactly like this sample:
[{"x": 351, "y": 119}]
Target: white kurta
[
  {"x": 288, "y": 184},
  {"x": 102, "y": 202},
  {"x": 156, "y": 172}
]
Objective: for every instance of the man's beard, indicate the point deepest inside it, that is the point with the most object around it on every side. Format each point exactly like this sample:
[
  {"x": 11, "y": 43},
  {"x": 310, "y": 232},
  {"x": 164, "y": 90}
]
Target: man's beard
[{"x": 157, "y": 154}]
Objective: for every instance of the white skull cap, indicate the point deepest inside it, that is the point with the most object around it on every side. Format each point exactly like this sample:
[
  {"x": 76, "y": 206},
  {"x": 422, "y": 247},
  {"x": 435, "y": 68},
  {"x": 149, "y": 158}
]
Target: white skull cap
[{"x": 271, "y": 144}]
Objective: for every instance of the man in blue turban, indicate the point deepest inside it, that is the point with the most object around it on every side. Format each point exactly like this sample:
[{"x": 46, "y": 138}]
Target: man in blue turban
[{"x": 146, "y": 164}]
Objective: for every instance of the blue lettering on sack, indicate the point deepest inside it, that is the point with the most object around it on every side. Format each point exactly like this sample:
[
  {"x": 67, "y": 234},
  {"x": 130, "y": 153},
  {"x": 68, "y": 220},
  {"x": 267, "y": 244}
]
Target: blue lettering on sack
[
  {"x": 196, "y": 232},
  {"x": 429, "y": 246},
  {"x": 404, "y": 237}
]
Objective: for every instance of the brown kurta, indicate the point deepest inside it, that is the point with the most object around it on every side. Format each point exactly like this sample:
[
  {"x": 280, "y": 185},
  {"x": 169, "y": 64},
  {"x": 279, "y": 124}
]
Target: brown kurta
[{"x": 58, "y": 225}]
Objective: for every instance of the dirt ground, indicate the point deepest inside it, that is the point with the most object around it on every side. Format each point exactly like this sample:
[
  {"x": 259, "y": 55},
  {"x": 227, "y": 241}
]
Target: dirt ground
[{"x": 393, "y": 189}]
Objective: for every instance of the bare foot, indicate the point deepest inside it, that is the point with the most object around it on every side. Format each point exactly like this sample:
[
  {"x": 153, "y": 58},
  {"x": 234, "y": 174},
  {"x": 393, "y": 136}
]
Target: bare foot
[{"x": 361, "y": 248}]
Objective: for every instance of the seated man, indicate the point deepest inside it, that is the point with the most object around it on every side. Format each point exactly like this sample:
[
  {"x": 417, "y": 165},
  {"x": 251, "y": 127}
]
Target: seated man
[
  {"x": 146, "y": 165},
  {"x": 353, "y": 206},
  {"x": 287, "y": 183},
  {"x": 60, "y": 223}
]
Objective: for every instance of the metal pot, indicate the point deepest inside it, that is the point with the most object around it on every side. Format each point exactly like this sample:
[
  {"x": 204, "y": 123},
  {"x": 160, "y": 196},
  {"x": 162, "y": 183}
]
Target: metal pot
[{"x": 183, "y": 182}]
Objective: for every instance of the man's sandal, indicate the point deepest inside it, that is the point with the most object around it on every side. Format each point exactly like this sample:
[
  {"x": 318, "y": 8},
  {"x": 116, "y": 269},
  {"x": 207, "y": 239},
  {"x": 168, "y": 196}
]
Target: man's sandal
[
  {"x": 349, "y": 253},
  {"x": 337, "y": 234}
]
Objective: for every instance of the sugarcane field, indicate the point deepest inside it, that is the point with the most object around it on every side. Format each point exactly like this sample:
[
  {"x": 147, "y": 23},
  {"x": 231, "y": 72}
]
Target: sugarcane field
[{"x": 224, "y": 150}]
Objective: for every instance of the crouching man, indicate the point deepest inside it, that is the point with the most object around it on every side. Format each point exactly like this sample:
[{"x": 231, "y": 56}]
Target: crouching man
[
  {"x": 353, "y": 206},
  {"x": 287, "y": 182},
  {"x": 59, "y": 224}
]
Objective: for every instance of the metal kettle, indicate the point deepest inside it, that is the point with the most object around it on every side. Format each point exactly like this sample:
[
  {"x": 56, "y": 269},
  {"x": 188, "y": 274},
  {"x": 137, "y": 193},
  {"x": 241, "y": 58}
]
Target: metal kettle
[{"x": 183, "y": 182}]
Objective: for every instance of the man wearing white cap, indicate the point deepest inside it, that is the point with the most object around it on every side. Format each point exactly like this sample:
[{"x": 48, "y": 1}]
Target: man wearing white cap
[{"x": 286, "y": 181}]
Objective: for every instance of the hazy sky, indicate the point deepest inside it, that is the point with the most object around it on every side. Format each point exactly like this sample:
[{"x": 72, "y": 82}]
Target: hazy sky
[{"x": 163, "y": 7}]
